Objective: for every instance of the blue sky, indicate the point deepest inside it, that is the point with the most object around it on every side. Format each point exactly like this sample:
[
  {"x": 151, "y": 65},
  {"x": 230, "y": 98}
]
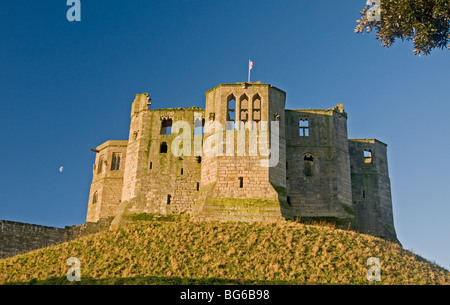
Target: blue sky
[{"x": 66, "y": 87}]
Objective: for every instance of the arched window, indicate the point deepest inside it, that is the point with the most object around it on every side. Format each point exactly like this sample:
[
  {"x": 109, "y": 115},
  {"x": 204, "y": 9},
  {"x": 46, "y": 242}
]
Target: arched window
[
  {"x": 244, "y": 108},
  {"x": 163, "y": 148},
  {"x": 303, "y": 127},
  {"x": 94, "y": 198},
  {"x": 367, "y": 156},
  {"x": 115, "y": 164},
  {"x": 231, "y": 113},
  {"x": 256, "y": 117},
  {"x": 166, "y": 126},
  {"x": 308, "y": 165}
]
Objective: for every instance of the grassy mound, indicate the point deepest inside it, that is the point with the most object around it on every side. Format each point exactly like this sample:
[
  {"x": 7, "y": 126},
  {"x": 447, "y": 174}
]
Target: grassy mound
[{"x": 182, "y": 252}]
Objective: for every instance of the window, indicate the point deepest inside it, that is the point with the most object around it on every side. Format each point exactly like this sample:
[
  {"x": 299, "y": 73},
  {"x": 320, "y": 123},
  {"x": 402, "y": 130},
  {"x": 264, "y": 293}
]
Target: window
[
  {"x": 364, "y": 194},
  {"x": 367, "y": 156},
  {"x": 308, "y": 161},
  {"x": 288, "y": 200},
  {"x": 241, "y": 182},
  {"x": 198, "y": 186},
  {"x": 115, "y": 164},
  {"x": 199, "y": 126},
  {"x": 304, "y": 127},
  {"x": 169, "y": 198},
  {"x": 100, "y": 165},
  {"x": 256, "y": 110},
  {"x": 199, "y": 159},
  {"x": 231, "y": 113},
  {"x": 244, "y": 108},
  {"x": 151, "y": 165},
  {"x": 94, "y": 198},
  {"x": 163, "y": 148},
  {"x": 166, "y": 126},
  {"x": 181, "y": 171}
]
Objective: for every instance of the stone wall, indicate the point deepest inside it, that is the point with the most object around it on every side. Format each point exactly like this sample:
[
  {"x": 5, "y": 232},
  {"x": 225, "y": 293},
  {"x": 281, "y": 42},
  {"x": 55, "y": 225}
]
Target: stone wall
[
  {"x": 106, "y": 189},
  {"x": 17, "y": 237},
  {"x": 320, "y": 186},
  {"x": 318, "y": 176},
  {"x": 234, "y": 174},
  {"x": 371, "y": 187}
]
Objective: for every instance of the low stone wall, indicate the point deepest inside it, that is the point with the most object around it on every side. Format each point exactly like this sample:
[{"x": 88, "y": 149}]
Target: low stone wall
[{"x": 17, "y": 237}]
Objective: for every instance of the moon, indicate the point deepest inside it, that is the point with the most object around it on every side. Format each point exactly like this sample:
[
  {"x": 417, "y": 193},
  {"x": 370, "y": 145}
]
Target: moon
[{"x": 61, "y": 169}]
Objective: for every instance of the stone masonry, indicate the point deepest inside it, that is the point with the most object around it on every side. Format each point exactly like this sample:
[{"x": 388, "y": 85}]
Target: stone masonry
[{"x": 209, "y": 163}]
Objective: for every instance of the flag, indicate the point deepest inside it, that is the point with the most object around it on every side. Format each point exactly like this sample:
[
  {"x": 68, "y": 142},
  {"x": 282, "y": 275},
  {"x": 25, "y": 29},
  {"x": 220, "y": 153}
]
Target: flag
[{"x": 250, "y": 64}]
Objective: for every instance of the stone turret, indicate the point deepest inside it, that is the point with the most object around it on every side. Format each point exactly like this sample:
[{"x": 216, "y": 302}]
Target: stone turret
[{"x": 243, "y": 169}]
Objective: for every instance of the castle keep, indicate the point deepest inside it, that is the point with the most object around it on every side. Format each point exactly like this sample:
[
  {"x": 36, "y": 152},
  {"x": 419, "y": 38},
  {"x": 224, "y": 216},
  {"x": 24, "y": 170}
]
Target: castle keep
[{"x": 244, "y": 157}]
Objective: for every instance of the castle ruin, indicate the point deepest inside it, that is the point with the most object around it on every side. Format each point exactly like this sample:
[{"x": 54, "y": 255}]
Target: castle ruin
[{"x": 268, "y": 164}]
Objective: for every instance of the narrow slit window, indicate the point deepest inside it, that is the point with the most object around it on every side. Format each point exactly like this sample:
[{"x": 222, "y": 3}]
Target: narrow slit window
[
  {"x": 100, "y": 165},
  {"x": 304, "y": 127},
  {"x": 288, "y": 200},
  {"x": 166, "y": 126},
  {"x": 241, "y": 182},
  {"x": 151, "y": 165},
  {"x": 163, "y": 148},
  {"x": 181, "y": 172},
  {"x": 367, "y": 156},
  {"x": 308, "y": 162},
  {"x": 199, "y": 159},
  {"x": 115, "y": 164},
  {"x": 169, "y": 199},
  {"x": 198, "y": 186}
]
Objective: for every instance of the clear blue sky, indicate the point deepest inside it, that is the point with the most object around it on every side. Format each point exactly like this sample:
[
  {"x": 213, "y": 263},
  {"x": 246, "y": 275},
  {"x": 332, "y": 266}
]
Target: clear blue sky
[{"x": 66, "y": 87}]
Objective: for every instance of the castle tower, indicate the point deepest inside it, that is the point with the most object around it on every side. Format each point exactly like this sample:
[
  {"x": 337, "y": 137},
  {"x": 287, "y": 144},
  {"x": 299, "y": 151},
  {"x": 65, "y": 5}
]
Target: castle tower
[
  {"x": 318, "y": 174},
  {"x": 371, "y": 187},
  {"x": 106, "y": 188},
  {"x": 160, "y": 177},
  {"x": 243, "y": 174},
  {"x": 132, "y": 192}
]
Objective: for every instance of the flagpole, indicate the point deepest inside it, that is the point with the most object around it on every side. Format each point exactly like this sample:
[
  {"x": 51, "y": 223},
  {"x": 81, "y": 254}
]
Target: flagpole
[{"x": 249, "y": 70}]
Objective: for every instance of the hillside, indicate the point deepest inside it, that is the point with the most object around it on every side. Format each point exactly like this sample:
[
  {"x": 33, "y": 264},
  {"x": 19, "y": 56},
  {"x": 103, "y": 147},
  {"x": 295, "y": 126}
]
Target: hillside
[{"x": 183, "y": 252}]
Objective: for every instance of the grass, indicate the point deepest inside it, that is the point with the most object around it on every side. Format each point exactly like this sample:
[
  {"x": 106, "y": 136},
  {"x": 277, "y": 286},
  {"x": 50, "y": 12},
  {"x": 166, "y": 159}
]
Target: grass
[{"x": 173, "y": 251}]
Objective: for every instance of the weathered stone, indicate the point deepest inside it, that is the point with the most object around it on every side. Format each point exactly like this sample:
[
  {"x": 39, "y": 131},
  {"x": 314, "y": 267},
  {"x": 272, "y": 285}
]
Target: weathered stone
[{"x": 319, "y": 174}]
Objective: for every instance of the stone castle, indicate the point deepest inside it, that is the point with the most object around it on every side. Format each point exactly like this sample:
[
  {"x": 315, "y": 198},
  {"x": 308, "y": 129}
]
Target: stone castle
[{"x": 267, "y": 164}]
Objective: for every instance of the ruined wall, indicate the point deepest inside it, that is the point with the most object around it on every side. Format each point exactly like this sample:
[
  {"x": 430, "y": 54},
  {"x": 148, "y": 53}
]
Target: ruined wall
[
  {"x": 17, "y": 237},
  {"x": 175, "y": 173},
  {"x": 371, "y": 187},
  {"x": 320, "y": 186}
]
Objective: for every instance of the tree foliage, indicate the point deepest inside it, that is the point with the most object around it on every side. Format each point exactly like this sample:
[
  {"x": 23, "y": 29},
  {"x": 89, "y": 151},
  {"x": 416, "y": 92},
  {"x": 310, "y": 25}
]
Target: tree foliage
[{"x": 425, "y": 22}]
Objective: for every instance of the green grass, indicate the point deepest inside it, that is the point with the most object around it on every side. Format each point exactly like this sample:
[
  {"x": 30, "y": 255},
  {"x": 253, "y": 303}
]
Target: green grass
[{"x": 177, "y": 251}]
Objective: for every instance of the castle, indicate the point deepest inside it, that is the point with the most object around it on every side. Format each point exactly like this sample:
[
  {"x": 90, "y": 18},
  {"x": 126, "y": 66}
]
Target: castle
[{"x": 244, "y": 157}]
